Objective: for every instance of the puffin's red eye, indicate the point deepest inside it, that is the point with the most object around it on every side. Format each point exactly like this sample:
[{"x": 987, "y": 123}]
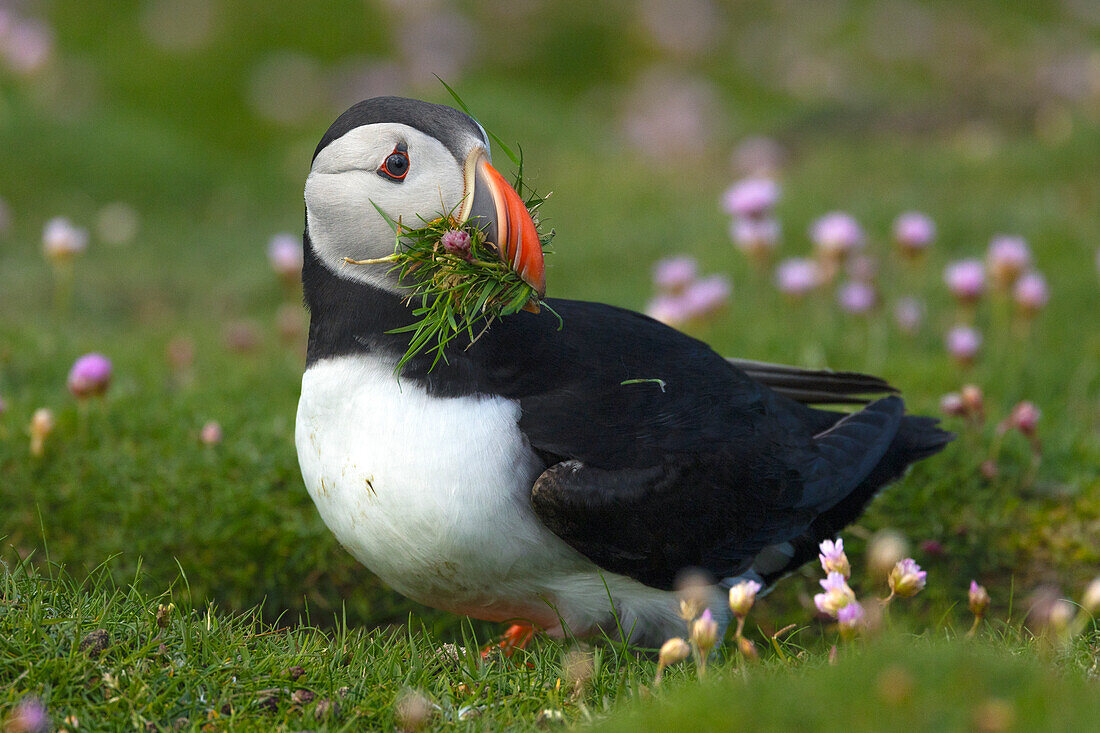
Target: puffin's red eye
[{"x": 396, "y": 166}]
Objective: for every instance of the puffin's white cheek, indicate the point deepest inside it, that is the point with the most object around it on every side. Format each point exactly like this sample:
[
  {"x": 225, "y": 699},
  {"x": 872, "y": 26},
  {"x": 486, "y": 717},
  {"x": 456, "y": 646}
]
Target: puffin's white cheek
[{"x": 342, "y": 219}]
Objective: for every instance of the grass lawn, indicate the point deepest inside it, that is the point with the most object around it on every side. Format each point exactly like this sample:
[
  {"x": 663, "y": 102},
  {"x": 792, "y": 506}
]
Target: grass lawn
[{"x": 138, "y": 511}]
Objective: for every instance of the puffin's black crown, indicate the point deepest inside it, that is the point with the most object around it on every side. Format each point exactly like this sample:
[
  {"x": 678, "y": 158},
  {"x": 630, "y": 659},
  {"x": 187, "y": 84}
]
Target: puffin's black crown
[{"x": 445, "y": 124}]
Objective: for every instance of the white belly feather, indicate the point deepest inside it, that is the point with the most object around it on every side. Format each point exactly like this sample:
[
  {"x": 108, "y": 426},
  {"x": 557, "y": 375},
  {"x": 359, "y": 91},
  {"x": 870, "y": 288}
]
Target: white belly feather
[{"x": 433, "y": 495}]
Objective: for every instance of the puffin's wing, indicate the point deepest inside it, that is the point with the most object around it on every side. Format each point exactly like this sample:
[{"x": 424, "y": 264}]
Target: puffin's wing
[
  {"x": 814, "y": 386},
  {"x": 702, "y": 509}
]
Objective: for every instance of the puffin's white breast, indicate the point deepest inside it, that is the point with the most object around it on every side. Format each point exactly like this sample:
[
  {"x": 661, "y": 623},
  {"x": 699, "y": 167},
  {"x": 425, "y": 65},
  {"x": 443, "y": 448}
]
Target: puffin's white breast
[{"x": 432, "y": 494}]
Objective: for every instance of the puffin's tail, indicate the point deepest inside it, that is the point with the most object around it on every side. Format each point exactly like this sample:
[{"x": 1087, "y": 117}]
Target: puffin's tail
[{"x": 918, "y": 437}]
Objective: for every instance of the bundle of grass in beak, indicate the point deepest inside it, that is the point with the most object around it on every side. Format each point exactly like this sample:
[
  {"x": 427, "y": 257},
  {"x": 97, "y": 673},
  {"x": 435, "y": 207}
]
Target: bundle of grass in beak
[{"x": 461, "y": 281}]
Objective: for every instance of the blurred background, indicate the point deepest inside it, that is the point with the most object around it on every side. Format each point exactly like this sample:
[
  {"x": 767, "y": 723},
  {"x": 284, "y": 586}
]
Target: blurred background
[{"x": 166, "y": 142}]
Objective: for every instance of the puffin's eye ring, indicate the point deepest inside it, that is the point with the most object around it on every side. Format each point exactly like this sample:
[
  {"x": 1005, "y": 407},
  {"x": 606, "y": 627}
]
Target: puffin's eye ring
[{"x": 396, "y": 166}]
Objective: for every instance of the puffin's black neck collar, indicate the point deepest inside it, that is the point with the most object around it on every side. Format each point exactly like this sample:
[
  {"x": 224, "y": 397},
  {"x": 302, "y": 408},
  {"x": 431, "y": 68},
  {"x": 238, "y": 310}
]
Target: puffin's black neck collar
[{"x": 349, "y": 317}]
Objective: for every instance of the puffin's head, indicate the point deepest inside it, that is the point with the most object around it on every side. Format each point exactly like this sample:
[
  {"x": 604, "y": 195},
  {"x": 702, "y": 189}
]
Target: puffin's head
[{"x": 412, "y": 160}]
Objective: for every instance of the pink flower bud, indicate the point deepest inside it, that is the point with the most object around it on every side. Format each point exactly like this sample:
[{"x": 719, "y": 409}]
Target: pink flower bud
[
  {"x": 672, "y": 651},
  {"x": 1091, "y": 599},
  {"x": 963, "y": 344},
  {"x": 42, "y": 424},
  {"x": 1008, "y": 257},
  {"x": 284, "y": 252},
  {"x": 906, "y": 579},
  {"x": 1031, "y": 293},
  {"x": 836, "y": 235},
  {"x": 797, "y": 276},
  {"x": 973, "y": 400},
  {"x": 965, "y": 279},
  {"x": 704, "y": 632},
  {"x": 979, "y": 599},
  {"x": 457, "y": 242},
  {"x": 932, "y": 548},
  {"x": 751, "y": 198},
  {"x": 180, "y": 353},
  {"x": 211, "y": 433},
  {"x": 742, "y": 596},
  {"x": 674, "y": 274},
  {"x": 914, "y": 233},
  {"x": 90, "y": 376},
  {"x": 241, "y": 336}
]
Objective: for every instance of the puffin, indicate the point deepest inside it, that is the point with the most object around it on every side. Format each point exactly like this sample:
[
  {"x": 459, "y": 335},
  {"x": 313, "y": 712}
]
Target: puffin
[{"x": 559, "y": 475}]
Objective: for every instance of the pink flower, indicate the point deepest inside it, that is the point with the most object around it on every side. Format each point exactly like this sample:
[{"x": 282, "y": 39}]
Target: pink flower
[
  {"x": 29, "y": 716},
  {"x": 674, "y": 274},
  {"x": 797, "y": 276},
  {"x": 669, "y": 310},
  {"x": 914, "y": 232},
  {"x": 857, "y": 297},
  {"x": 751, "y": 198},
  {"x": 61, "y": 241},
  {"x": 932, "y": 548},
  {"x": 906, "y": 579},
  {"x": 952, "y": 404},
  {"x": 28, "y": 46},
  {"x": 211, "y": 433},
  {"x": 284, "y": 252},
  {"x": 1031, "y": 292},
  {"x": 963, "y": 343},
  {"x": 241, "y": 336},
  {"x": 1008, "y": 257},
  {"x": 707, "y": 296},
  {"x": 909, "y": 314},
  {"x": 837, "y": 234},
  {"x": 833, "y": 559},
  {"x": 850, "y": 616},
  {"x": 837, "y": 594},
  {"x": 755, "y": 236},
  {"x": 90, "y": 376},
  {"x": 965, "y": 279},
  {"x": 457, "y": 242},
  {"x": 1025, "y": 418}
]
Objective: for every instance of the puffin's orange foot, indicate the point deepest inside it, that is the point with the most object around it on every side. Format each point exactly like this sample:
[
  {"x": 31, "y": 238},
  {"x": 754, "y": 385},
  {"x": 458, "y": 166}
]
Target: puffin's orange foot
[{"x": 516, "y": 637}]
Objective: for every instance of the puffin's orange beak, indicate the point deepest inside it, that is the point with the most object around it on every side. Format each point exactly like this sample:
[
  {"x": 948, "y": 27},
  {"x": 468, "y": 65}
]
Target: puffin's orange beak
[{"x": 505, "y": 221}]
